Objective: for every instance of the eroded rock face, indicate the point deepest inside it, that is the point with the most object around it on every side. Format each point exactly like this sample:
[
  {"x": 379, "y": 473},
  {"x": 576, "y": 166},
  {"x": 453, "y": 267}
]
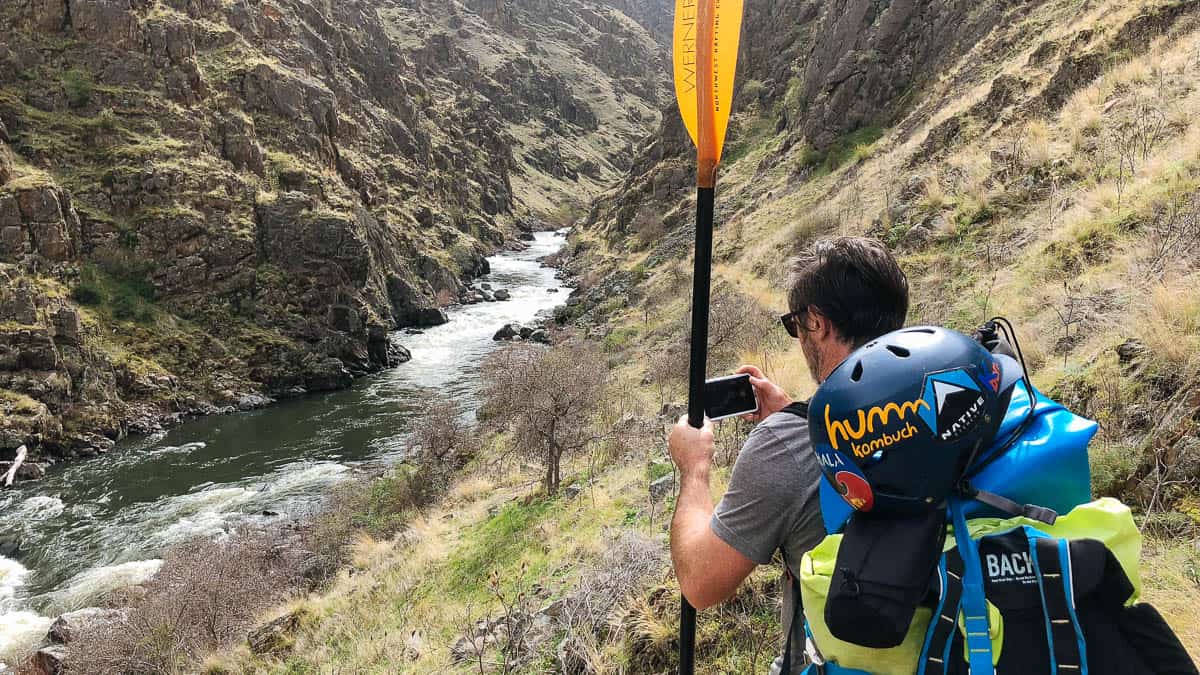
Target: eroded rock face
[
  {"x": 38, "y": 220},
  {"x": 6, "y": 160},
  {"x": 866, "y": 55}
]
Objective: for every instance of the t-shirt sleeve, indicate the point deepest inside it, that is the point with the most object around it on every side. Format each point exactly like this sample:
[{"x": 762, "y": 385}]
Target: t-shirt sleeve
[{"x": 759, "y": 508}]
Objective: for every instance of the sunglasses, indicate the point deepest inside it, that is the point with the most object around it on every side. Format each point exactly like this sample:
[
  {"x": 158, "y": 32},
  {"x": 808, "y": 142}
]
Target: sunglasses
[{"x": 791, "y": 323}]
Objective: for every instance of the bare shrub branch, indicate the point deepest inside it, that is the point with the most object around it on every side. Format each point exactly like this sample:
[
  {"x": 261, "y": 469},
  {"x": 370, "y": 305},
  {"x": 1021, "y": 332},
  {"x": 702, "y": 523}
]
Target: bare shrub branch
[
  {"x": 1175, "y": 233},
  {"x": 206, "y": 596}
]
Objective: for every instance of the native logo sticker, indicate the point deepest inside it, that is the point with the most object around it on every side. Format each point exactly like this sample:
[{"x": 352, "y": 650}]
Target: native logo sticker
[{"x": 954, "y": 404}]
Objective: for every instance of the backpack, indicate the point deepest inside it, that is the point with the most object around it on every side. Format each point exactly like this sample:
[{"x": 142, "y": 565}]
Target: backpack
[{"x": 1014, "y": 588}]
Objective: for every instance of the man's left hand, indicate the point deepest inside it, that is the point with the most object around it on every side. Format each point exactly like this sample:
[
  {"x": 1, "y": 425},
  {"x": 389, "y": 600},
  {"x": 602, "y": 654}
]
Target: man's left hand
[{"x": 691, "y": 448}]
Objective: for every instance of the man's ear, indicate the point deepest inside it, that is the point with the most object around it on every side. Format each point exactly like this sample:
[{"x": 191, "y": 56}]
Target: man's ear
[{"x": 819, "y": 325}]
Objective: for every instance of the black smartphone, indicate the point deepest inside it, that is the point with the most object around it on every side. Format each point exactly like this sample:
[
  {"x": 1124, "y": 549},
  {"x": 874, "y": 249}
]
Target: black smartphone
[{"x": 729, "y": 397}]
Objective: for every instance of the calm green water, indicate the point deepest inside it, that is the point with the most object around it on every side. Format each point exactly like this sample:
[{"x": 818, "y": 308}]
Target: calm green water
[{"x": 98, "y": 525}]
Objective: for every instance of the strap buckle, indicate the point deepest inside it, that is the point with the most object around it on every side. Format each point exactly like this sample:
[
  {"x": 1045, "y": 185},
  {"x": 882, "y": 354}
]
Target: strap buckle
[{"x": 1002, "y": 503}]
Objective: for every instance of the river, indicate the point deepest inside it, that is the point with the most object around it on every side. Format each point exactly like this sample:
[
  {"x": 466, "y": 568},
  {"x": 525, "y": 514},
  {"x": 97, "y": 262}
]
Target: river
[{"x": 91, "y": 527}]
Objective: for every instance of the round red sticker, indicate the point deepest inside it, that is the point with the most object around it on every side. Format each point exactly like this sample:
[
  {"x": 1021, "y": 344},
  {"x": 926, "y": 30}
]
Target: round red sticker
[{"x": 855, "y": 490}]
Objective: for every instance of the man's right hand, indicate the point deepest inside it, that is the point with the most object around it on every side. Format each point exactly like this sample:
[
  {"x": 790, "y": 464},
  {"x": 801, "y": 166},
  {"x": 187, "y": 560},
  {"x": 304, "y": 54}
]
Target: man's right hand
[{"x": 771, "y": 397}]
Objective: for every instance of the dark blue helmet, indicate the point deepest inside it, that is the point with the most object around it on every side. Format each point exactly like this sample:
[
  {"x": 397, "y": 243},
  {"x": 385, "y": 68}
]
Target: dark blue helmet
[{"x": 895, "y": 425}]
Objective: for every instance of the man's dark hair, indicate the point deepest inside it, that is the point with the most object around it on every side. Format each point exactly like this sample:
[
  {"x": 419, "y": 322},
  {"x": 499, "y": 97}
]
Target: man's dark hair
[{"x": 855, "y": 283}]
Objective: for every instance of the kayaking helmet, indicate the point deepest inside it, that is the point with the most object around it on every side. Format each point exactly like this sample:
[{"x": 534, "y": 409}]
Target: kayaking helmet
[{"x": 897, "y": 423}]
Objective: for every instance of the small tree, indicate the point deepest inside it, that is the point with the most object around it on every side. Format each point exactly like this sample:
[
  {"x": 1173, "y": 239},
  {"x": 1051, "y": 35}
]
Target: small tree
[
  {"x": 546, "y": 398},
  {"x": 444, "y": 436}
]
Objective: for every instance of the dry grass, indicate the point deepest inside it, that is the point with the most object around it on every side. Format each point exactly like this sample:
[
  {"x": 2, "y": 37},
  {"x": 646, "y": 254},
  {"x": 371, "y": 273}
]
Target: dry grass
[{"x": 1171, "y": 576}]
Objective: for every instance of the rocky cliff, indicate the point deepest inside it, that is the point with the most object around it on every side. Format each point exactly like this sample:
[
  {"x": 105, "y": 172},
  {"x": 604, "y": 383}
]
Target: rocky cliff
[
  {"x": 817, "y": 77},
  {"x": 206, "y": 203}
]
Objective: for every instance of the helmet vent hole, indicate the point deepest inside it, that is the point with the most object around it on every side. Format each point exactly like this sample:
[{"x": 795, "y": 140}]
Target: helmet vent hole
[
  {"x": 857, "y": 374},
  {"x": 899, "y": 351},
  {"x": 927, "y": 331}
]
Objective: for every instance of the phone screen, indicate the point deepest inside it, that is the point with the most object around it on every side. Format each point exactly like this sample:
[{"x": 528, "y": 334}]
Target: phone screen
[{"x": 728, "y": 397}]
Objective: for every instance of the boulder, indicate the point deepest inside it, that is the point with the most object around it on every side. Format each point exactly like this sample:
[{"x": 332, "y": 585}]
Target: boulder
[
  {"x": 276, "y": 637},
  {"x": 663, "y": 487},
  {"x": 503, "y": 295},
  {"x": 430, "y": 316},
  {"x": 28, "y": 348},
  {"x": 344, "y": 319},
  {"x": 412, "y": 303},
  {"x": 47, "y": 220},
  {"x": 329, "y": 374},
  {"x": 526, "y": 332},
  {"x": 68, "y": 626},
  {"x": 50, "y": 660},
  {"x": 540, "y": 336},
  {"x": 27, "y": 470},
  {"x": 508, "y": 332},
  {"x": 1132, "y": 354},
  {"x": 917, "y": 237},
  {"x": 247, "y": 402}
]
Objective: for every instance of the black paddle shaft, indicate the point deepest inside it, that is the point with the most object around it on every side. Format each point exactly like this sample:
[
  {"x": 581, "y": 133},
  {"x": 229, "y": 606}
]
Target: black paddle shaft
[{"x": 701, "y": 288}]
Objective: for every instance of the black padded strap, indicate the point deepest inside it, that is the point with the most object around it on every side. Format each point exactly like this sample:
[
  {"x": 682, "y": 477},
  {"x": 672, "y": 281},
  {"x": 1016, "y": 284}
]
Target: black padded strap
[
  {"x": 1062, "y": 630},
  {"x": 795, "y": 632},
  {"x": 944, "y": 627},
  {"x": 799, "y": 409}
]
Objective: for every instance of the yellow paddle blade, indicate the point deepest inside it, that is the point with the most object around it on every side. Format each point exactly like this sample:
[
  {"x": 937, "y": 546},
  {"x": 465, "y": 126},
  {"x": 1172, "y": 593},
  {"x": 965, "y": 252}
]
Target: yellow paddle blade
[
  {"x": 706, "y": 32},
  {"x": 684, "y": 53}
]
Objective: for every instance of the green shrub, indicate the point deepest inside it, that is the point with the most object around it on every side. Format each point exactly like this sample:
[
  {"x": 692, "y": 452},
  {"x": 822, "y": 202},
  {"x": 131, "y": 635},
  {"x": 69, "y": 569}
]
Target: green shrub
[
  {"x": 78, "y": 86},
  {"x": 88, "y": 293},
  {"x": 129, "y": 307},
  {"x": 1114, "y": 466},
  {"x": 657, "y": 470},
  {"x": 753, "y": 90},
  {"x": 122, "y": 288},
  {"x": 855, "y": 145},
  {"x": 618, "y": 339}
]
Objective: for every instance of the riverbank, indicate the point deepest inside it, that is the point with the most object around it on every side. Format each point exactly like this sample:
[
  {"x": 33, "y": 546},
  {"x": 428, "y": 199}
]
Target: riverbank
[{"x": 89, "y": 522}]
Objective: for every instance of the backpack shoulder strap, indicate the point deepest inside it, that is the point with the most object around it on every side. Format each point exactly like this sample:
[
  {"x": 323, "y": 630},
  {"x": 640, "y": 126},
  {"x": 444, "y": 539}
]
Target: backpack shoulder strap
[
  {"x": 799, "y": 409},
  {"x": 974, "y": 604},
  {"x": 943, "y": 627},
  {"x": 1052, "y": 560}
]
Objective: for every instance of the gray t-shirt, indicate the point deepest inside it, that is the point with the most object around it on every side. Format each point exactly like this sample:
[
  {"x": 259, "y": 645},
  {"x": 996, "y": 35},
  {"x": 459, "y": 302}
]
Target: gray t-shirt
[{"x": 773, "y": 502}]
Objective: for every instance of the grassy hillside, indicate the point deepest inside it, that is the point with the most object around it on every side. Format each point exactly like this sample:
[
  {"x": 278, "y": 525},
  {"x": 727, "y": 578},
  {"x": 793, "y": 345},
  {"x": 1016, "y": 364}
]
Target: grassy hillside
[{"x": 1051, "y": 175}]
